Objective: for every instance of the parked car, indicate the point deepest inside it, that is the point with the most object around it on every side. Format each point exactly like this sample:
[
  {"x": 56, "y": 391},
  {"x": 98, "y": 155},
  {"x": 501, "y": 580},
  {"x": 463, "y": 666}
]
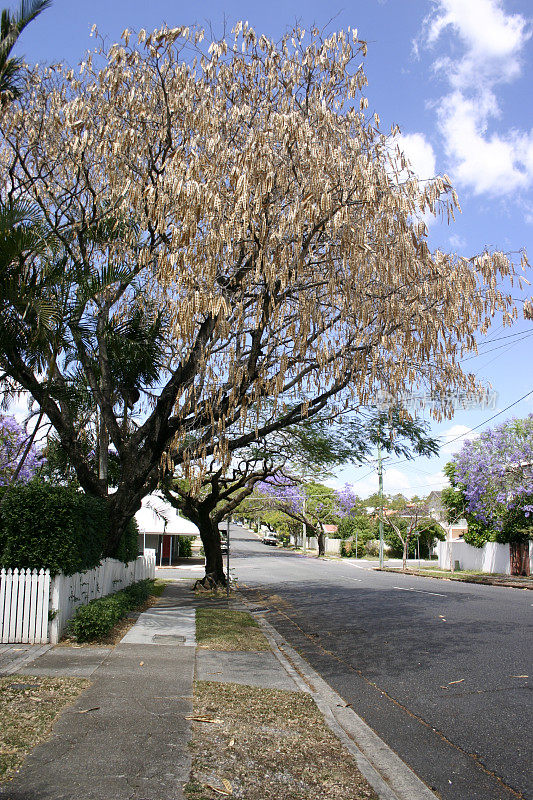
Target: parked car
[
  {"x": 224, "y": 544},
  {"x": 270, "y": 538}
]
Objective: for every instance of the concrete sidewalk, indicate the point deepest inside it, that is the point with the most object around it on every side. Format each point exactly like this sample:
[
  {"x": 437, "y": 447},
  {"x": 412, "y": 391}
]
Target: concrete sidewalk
[
  {"x": 132, "y": 742},
  {"x": 127, "y": 736}
]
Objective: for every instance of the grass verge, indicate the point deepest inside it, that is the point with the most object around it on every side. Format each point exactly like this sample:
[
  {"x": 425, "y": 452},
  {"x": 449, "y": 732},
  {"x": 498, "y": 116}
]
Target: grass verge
[
  {"x": 226, "y": 629},
  {"x": 266, "y": 744},
  {"x": 466, "y": 576},
  {"x": 29, "y": 706}
]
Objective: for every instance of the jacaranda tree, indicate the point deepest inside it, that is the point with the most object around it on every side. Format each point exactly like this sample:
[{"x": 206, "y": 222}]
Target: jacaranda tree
[
  {"x": 492, "y": 478},
  {"x": 18, "y": 462}
]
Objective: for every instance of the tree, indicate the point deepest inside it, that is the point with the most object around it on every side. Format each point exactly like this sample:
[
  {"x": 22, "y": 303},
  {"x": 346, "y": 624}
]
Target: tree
[
  {"x": 454, "y": 501},
  {"x": 13, "y": 444},
  {"x": 492, "y": 483},
  {"x": 11, "y": 26},
  {"x": 240, "y": 188},
  {"x": 424, "y": 534},
  {"x": 311, "y": 504},
  {"x": 409, "y": 524},
  {"x": 218, "y": 496},
  {"x": 314, "y": 446}
]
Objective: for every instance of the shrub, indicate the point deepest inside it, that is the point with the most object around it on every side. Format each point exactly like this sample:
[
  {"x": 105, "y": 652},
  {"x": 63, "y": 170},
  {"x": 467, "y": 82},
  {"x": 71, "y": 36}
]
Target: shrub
[
  {"x": 56, "y": 528},
  {"x": 95, "y": 620},
  {"x": 372, "y": 547},
  {"x": 185, "y": 546}
]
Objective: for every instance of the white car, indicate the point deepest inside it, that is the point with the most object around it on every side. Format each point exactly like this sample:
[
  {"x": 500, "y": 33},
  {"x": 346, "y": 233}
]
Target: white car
[{"x": 270, "y": 538}]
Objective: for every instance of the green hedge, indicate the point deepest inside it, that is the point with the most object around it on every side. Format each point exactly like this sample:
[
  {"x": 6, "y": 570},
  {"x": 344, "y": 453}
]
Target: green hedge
[
  {"x": 96, "y": 619},
  {"x": 185, "y": 544},
  {"x": 56, "y": 528}
]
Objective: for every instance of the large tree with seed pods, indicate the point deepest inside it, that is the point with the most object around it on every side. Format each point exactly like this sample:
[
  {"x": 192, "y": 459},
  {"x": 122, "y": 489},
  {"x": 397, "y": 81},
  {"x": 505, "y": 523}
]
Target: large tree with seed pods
[{"x": 237, "y": 193}]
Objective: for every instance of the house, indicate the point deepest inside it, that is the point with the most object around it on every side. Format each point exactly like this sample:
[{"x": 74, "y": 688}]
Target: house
[
  {"x": 437, "y": 511},
  {"x": 330, "y": 530},
  {"x": 160, "y": 525}
]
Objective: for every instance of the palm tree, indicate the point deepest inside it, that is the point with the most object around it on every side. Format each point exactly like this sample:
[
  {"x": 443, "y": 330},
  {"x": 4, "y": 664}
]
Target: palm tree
[{"x": 11, "y": 26}]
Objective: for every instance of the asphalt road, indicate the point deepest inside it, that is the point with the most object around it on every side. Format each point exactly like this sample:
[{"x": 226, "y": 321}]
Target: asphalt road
[{"x": 438, "y": 669}]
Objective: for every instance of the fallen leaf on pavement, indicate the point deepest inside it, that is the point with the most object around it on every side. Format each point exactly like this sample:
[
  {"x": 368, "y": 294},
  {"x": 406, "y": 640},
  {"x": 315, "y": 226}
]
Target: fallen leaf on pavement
[
  {"x": 86, "y": 710},
  {"x": 141, "y": 663},
  {"x": 231, "y": 742},
  {"x": 450, "y": 683},
  {"x": 519, "y": 676},
  {"x": 213, "y": 720},
  {"x": 219, "y": 791},
  {"x": 227, "y": 785}
]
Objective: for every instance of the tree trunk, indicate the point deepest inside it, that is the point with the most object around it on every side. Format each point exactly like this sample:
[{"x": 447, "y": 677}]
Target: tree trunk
[
  {"x": 404, "y": 558},
  {"x": 210, "y": 535},
  {"x": 321, "y": 539},
  {"x": 122, "y": 506}
]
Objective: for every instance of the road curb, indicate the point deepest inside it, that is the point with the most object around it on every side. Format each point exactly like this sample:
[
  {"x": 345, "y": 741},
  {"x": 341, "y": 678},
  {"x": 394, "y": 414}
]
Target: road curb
[{"x": 384, "y": 770}]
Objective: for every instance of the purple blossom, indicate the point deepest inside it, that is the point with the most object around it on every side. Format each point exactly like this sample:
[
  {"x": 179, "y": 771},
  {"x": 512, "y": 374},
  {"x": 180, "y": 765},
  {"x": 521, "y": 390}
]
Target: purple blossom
[
  {"x": 13, "y": 439},
  {"x": 284, "y": 491},
  {"x": 347, "y": 500},
  {"x": 496, "y": 471}
]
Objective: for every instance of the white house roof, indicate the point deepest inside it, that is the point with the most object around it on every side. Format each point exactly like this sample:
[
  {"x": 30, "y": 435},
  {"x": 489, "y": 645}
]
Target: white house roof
[{"x": 158, "y": 516}]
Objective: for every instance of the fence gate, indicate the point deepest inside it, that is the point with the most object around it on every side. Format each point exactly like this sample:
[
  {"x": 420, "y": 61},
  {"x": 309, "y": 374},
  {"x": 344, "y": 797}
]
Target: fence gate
[
  {"x": 519, "y": 556},
  {"x": 24, "y": 598}
]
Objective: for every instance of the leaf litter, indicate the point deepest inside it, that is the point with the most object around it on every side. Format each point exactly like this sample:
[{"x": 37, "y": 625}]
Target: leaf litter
[{"x": 269, "y": 745}]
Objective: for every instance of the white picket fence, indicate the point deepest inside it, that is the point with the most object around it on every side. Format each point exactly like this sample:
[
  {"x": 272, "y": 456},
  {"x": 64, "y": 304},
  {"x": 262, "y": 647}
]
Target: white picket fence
[
  {"x": 35, "y": 609},
  {"x": 24, "y": 599},
  {"x": 68, "y": 592}
]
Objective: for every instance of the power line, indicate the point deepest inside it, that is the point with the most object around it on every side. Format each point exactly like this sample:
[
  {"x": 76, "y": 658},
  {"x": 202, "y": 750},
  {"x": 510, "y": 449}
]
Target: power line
[
  {"x": 467, "y": 433},
  {"x": 499, "y": 347},
  {"x": 491, "y": 418}
]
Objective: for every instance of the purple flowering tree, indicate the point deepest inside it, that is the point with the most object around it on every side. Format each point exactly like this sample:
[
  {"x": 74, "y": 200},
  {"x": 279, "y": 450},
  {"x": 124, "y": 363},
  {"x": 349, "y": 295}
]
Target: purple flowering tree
[
  {"x": 13, "y": 446},
  {"x": 348, "y": 501},
  {"x": 312, "y": 504},
  {"x": 492, "y": 480},
  {"x": 495, "y": 473}
]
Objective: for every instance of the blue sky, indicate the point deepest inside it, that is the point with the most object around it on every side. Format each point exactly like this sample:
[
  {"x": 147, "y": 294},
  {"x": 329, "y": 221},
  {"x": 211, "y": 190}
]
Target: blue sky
[{"x": 456, "y": 76}]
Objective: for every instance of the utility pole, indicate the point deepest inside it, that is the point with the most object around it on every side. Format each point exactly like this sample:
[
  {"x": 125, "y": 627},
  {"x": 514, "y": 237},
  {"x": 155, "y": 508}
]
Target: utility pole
[
  {"x": 380, "y": 477},
  {"x": 304, "y": 526},
  {"x": 227, "y": 562}
]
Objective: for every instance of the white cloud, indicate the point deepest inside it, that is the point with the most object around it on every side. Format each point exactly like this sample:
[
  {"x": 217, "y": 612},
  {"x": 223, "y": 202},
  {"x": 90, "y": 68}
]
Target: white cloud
[
  {"x": 493, "y": 42},
  {"x": 452, "y": 444},
  {"x": 395, "y": 481},
  {"x": 457, "y": 242},
  {"x": 421, "y": 157},
  {"x": 492, "y": 164},
  {"x": 420, "y": 154}
]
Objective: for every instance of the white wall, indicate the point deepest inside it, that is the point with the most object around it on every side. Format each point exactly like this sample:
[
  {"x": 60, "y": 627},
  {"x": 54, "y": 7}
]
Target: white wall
[
  {"x": 331, "y": 545},
  {"x": 492, "y": 557}
]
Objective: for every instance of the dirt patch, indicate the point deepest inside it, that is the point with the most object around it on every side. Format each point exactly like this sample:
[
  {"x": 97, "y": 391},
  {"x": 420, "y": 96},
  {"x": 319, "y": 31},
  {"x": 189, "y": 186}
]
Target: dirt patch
[
  {"x": 29, "y": 706},
  {"x": 226, "y": 629},
  {"x": 266, "y": 744}
]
